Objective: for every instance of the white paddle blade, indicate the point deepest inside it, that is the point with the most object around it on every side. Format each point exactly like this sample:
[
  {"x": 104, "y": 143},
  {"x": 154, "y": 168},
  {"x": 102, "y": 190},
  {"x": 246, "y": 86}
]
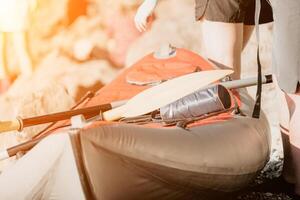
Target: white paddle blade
[
  {"x": 170, "y": 91},
  {"x": 114, "y": 114}
]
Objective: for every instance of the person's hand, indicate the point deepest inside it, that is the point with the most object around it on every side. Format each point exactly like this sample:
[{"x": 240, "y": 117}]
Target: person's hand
[{"x": 142, "y": 14}]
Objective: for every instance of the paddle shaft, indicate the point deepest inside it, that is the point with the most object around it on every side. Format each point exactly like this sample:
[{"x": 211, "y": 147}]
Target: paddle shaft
[
  {"x": 88, "y": 112},
  {"x": 20, "y": 123},
  {"x": 247, "y": 82}
]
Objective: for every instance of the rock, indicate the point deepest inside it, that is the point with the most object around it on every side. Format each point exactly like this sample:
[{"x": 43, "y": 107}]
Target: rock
[
  {"x": 51, "y": 99},
  {"x": 264, "y": 196},
  {"x": 48, "y": 19},
  {"x": 55, "y": 86},
  {"x": 77, "y": 78},
  {"x": 82, "y": 49},
  {"x": 71, "y": 40}
]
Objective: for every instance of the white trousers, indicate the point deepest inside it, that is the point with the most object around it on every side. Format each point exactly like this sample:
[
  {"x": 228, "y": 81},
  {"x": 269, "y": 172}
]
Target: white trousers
[{"x": 286, "y": 43}]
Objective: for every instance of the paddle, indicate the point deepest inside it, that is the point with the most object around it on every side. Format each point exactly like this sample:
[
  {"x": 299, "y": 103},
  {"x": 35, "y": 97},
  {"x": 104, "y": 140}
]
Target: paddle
[
  {"x": 145, "y": 102},
  {"x": 88, "y": 112},
  {"x": 12, "y": 151},
  {"x": 165, "y": 93}
]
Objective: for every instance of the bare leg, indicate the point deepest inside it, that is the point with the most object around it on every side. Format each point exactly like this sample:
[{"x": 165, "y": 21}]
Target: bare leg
[
  {"x": 19, "y": 44},
  {"x": 224, "y": 44},
  {"x": 286, "y": 106},
  {"x": 290, "y": 129},
  {"x": 247, "y": 32},
  {"x": 295, "y": 137}
]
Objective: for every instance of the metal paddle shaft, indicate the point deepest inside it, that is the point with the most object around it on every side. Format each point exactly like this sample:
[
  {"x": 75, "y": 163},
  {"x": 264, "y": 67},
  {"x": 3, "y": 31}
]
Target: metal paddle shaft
[{"x": 247, "y": 82}]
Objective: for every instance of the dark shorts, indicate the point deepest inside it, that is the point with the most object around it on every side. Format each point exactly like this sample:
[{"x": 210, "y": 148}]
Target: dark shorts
[{"x": 233, "y": 11}]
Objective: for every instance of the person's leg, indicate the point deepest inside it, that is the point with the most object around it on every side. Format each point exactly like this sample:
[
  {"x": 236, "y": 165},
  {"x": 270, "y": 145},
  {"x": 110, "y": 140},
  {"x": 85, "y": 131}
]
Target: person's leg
[
  {"x": 20, "y": 47},
  {"x": 266, "y": 16},
  {"x": 247, "y": 32},
  {"x": 286, "y": 107},
  {"x": 294, "y": 136},
  {"x": 286, "y": 50},
  {"x": 224, "y": 43}
]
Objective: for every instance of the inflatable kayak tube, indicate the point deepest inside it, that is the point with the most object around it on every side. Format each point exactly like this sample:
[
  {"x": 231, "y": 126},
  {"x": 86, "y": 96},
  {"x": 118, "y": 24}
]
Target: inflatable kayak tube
[
  {"x": 214, "y": 157},
  {"x": 116, "y": 160}
]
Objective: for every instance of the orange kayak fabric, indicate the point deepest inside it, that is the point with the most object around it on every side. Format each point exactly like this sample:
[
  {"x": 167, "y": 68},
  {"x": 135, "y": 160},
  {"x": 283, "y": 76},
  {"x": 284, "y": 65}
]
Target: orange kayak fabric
[
  {"x": 121, "y": 89},
  {"x": 150, "y": 70}
]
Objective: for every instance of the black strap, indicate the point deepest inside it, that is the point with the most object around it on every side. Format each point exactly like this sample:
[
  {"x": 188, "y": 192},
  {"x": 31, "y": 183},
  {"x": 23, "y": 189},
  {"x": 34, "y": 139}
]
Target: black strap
[{"x": 257, "y": 106}]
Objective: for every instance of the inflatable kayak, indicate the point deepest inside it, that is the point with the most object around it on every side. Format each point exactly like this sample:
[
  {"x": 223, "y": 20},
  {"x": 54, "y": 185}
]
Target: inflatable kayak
[{"x": 206, "y": 159}]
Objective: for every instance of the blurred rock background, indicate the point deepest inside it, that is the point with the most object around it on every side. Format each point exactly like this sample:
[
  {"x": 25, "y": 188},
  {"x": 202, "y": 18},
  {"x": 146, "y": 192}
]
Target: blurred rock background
[{"x": 71, "y": 45}]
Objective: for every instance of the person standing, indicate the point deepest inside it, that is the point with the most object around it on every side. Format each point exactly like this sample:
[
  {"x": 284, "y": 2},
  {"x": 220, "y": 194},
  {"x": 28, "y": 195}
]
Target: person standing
[
  {"x": 227, "y": 27},
  {"x": 286, "y": 65}
]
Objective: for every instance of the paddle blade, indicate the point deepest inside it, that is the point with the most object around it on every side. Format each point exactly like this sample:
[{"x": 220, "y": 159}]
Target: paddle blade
[
  {"x": 170, "y": 91},
  {"x": 114, "y": 114}
]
